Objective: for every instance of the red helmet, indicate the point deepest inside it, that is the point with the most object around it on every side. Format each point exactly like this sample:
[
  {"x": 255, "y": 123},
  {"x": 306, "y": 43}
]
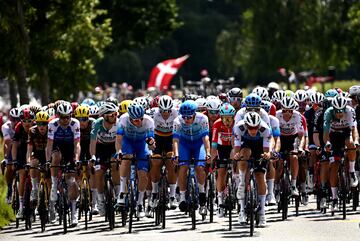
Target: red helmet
[
  {"x": 74, "y": 105},
  {"x": 26, "y": 114},
  {"x": 155, "y": 102},
  {"x": 223, "y": 97}
]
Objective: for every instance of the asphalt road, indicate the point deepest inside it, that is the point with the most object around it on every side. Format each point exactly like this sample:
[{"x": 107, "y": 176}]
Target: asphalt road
[{"x": 309, "y": 225}]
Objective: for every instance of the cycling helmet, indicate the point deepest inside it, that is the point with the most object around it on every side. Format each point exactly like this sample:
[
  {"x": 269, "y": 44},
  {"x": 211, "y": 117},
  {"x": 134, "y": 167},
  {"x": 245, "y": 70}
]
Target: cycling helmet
[
  {"x": 14, "y": 113},
  {"x": 223, "y": 97},
  {"x": 310, "y": 92},
  {"x": 317, "y": 98},
  {"x": 26, "y": 114},
  {"x": 354, "y": 90},
  {"x": 278, "y": 95},
  {"x": 35, "y": 108},
  {"x": 296, "y": 106},
  {"x": 211, "y": 97},
  {"x": 82, "y": 112},
  {"x": 288, "y": 103},
  {"x": 190, "y": 97},
  {"x": 64, "y": 108},
  {"x": 273, "y": 85},
  {"x": 331, "y": 93},
  {"x": 42, "y": 116},
  {"x": 345, "y": 94},
  {"x": 188, "y": 108},
  {"x": 88, "y": 102},
  {"x": 136, "y": 111},
  {"x": 266, "y": 105},
  {"x": 177, "y": 104},
  {"x": 124, "y": 105},
  {"x": 100, "y": 103},
  {"x": 339, "y": 102},
  {"x": 252, "y": 119},
  {"x": 300, "y": 96},
  {"x": 289, "y": 93},
  {"x": 213, "y": 104},
  {"x": 93, "y": 110},
  {"x": 108, "y": 108},
  {"x": 252, "y": 100},
  {"x": 165, "y": 102},
  {"x": 142, "y": 101},
  {"x": 112, "y": 100},
  {"x": 235, "y": 92},
  {"x": 339, "y": 90},
  {"x": 74, "y": 105},
  {"x": 155, "y": 102},
  {"x": 201, "y": 102},
  {"x": 227, "y": 110},
  {"x": 262, "y": 92},
  {"x": 51, "y": 112}
]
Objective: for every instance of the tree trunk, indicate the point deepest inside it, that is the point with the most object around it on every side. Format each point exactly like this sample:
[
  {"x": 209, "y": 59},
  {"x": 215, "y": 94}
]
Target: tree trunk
[
  {"x": 22, "y": 84},
  {"x": 12, "y": 92},
  {"x": 44, "y": 83}
]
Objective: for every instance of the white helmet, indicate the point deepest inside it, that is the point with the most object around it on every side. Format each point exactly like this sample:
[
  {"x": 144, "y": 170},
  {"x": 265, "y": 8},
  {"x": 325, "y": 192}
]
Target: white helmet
[
  {"x": 317, "y": 98},
  {"x": 142, "y": 101},
  {"x": 235, "y": 92},
  {"x": 345, "y": 94},
  {"x": 107, "y": 108},
  {"x": 273, "y": 85},
  {"x": 310, "y": 92},
  {"x": 278, "y": 95},
  {"x": 64, "y": 108},
  {"x": 93, "y": 110},
  {"x": 296, "y": 106},
  {"x": 252, "y": 119},
  {"x": 213, "y": 104},
  {"x": 201, "y": 102},
  {"x": 339, "y": 102},
  {"x": 177, "y": 104},
  {"x": 166, "y": 102},
  {"x": 14, "y": 113},
  {"x": 288, "y": 103},
  {"x": 262, "y": 92},
  {"x": 354, "y": 90},
  {"x": 300, "y": 96},
  {"x": 51, "y": 112},
  {"x": 211, "y": 97}
]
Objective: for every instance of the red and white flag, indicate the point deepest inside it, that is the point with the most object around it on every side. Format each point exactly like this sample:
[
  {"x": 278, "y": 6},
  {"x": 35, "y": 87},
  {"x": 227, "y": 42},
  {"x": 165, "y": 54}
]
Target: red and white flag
[{"x": 163, "y": 72}]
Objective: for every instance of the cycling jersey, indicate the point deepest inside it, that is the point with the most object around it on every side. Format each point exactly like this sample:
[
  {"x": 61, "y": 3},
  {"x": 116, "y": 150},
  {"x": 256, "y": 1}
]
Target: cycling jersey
[
  {"x": 304, "y": 124},
  {"x": 7, "y": 130},
  {"x": 103, "y": 135},
  {"x": 310, "y": 120},
  {"x": 134, "y": 133},
  {"x": 38, "y": 142},
  {"x": 21, "y": 136},
  {"x": 164, "y": 127},
  {"x": 85, "y": 135},
  {"x": 65, "y": 135},
  {"x": 275, "y": 126},
  {"x": 291, "y": 127},
  {"x": 241, "y": 113},
  {"x": 151, "y": 112},
  {"x": 194, "y": 132},
  {"x": 221, "y": 134},
  {"x": 331, "y": 124},
  {"x": 241, "y": 134}
]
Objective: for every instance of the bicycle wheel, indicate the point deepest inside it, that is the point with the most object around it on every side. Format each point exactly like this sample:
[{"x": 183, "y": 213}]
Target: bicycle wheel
[
  {"x": 297, "y": 204},
  {"x": 42, "y": 209},
  {"x": 109, "y": 205},
  {"x": 343, "y": 190},
  {"x": 251, "y": 206},
  {"x": 230, "y": 202},
  {"x": 27, "y": 205},
  {"x": 211, "y": 197},
  {"x": 193, "y": 203},
  {"x": 16, "y": 201},
  {"x": 64, "y": 211},
  {"x": 132, "y": 207},
  {"x": 285, "y": 196},
  {"x": 355, "y": 198},
  {"x": 163, "y": 201},
  {"x": 85, "y": 202}
]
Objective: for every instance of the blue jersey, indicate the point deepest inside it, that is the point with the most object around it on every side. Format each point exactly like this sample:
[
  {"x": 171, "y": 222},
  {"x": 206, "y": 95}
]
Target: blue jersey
[
  {"x": 194, "y": 132},
  {"x": 134, "y": 133}
]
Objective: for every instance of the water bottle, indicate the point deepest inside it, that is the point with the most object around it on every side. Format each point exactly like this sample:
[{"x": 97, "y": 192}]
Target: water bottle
[{"x": 132, "y": 173}]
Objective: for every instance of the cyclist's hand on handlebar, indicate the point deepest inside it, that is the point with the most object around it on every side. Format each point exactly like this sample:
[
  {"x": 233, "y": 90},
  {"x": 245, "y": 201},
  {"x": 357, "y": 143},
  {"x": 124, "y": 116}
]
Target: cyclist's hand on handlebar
[
  {"x": 266, "y": 155},
  {"x": 327, "y": 147},
  {"x": 175, "y": 159},
  {"x": 238, "y": 156}
]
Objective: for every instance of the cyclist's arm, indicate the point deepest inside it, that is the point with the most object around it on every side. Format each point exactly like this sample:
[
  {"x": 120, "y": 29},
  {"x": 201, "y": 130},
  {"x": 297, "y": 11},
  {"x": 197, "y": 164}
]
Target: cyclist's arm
[
  {"x": 206, "y": 144},
  {"x": 316, "y": 139},
  {"x": 7, "y": 148},
  {"x": 355, "y": 134},
  {"x": 176, "y": 146},
  {"x": 77, "y": 149},
  {"x": 93, "y": 139},
  {"x": 92, "y": 147},
  {"x": 14, "y": 149},
  {"x": 327, "y": 122},
  {"x": 28, "y": 153},
  {"x": 118, "y": 143},
  {"x": 49, "y": 147},
  {"x": 277, "y": 144}
]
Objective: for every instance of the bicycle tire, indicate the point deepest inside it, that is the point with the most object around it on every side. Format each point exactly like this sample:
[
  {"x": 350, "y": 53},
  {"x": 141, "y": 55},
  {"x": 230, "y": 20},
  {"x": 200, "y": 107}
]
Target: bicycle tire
[
  {"x": 109, "y": 205},
  {"x": 251, "y": 206},
  {"x": 132, "y": 207},
  {"x": 163, "y": 202},
  {"x": 64, "y": 212},
  {"x": 42, "y": 208},
  {"x": 85, "y": 203},
  {"x": 193, "y": 204},
  {"x": 230, "y": 201},
  {"x": 211, "y": 197},
  {"x": 297, "y": 204},
  {"x": 27, "y": 205},
  {"x": 355, "y": 198},
  {"x": 16, "y": 202},
  {"x": 343, "y": 191}
]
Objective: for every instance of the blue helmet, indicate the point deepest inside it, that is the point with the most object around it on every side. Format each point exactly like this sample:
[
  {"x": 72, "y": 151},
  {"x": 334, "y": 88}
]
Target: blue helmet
[
  {"x": 331, "y": 93},
  {"x": 136, "y": 111},
  {"x": 88, "y": 102},
  {"x": 253, "y": 100},
  {"x": 266, "y": 105},
  {"x": 227, "y": 109},
  {"x": 188, "y": 108}
]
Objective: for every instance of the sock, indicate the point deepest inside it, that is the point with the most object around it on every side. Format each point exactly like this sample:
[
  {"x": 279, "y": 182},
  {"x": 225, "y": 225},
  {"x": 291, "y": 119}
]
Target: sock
[
  {"x": 220, "y": 198},
  {"x": 182, "y": 196},
  {"x": 293, "y": 183},
  {"x": 242, "y": 205},
  {"x": 242, "y": 177},
  {"x": 117, "y": 190},
  {"x": 21, "y": 202},
  {"x": 270, "y": 186},
  {"x": 351, "y": 166},
  {"x": 122, "y": 184},
  {"x": 201, "y": 188},
  {"x": 148, "y": 193},
  {"x": 262, "y": 204},
  {"x": 334, "y": 192},
  {"x": 141, "y": 198},
  {"x": 237, "y": 179},
  {"x": 94, "y": 196},
  {"x": 54, "y": 182},
  {"x": 73, "y": 206},
  {"x": 303, "y": 187},
  {"x": 155, "y": 187},
  {"x": 34, "y": 183},
  {"x": 172, "y": 190}
]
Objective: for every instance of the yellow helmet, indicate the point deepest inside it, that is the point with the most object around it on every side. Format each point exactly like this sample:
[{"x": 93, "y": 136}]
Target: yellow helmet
[
  {"x": 123, "y": 106},
  {"x": 82, "y": 111},
  {"x": 42, "y": 116}
]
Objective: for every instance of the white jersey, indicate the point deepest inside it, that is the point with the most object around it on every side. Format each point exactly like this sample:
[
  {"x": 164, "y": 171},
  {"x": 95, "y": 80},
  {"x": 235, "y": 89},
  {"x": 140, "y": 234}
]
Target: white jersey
[
  {"x": 241, "y": 113},
  {"x": 7, "y": 130},
  {"x": 128, "y": 130},
  {"x": 194, "y": 132},
  {"x": 275, "y": 126},
  {"x": 164, "y": 127},
  {"x": 68, "y": 134},
  {"x": 293, "y": 126},
  {"x": 241, "y": 134}
]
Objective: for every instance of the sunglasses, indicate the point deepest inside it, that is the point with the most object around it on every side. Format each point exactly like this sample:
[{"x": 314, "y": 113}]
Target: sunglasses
[
  {"x": 235, "y": 99},
  {"x": 213, "y": 112},
  {"x": 339, "y": 111},
  {"x": 165, "y": 111},
  {"x": 26, "y": 121},
  {"x": 252, "y": 128},
  {"x": 227, "y": 118},
  {"x": 254, "y": 109},
  {"x": 65, "y": 117},
  {"x": 287, "y": 111},
  {"x": 187, "y": 117},
  {"x": 41, "y": 123},
  {"x": 83, "y": 119},
  {"x": 111, "y": 115},
  {"x": 137, "y": 120}
]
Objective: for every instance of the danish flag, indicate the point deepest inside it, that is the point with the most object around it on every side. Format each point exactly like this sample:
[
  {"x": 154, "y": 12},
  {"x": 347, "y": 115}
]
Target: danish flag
[{"x": 163, "y": 72}]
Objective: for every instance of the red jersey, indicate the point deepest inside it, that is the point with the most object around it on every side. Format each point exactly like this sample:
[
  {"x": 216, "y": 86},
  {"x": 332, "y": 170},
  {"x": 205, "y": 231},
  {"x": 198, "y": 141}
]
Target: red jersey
[
  {"x": 221, "y": 134},
  {"x": 272, "y": 110}
]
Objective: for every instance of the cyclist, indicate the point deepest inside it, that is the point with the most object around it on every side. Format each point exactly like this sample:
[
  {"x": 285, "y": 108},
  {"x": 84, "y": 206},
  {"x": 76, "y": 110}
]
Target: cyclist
[
  {"x": 235, "y": 96},
  {"x": 163, "y": 120},
  {"x": 8, "y": 130},
  {"x": 135, "y": 136},
  {"x": 63, "y": 147},
  {"x": 102, "y": 150},
  {"x": 213, "y": 107},
  {"x": 252, "y": 103},
  {"x": 18, "y": 152},
  {"x": 123, "y": 106},
  {"x": 339, "y": 130},
  {"x": 191, "y": 140},
  {"x": 37, "y": 140},
  {"x": 251, "y": 140},
  {"x": 221, "y": 147},
  {"x": 201, "y": 103}
]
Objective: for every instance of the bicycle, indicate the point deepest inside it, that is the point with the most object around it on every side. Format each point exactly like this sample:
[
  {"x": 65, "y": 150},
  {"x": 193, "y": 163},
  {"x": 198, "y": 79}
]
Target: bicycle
[
  {"x": 285, "y": 184},
  {"x": 85, "y": 199},
  {"x": 191, "y": 193},
  {"x": 230, "y": 193},
  {"x": 210, "y": 189},
  {"x": 43, "y": 193},
  {"x": 110, "y": 195}
]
